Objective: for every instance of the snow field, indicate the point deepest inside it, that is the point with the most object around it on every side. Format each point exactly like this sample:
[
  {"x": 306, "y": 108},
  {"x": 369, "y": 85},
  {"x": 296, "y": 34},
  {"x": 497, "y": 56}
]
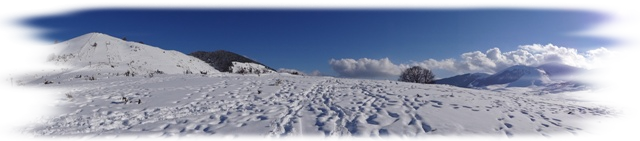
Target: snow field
[{"x": 278, "y": 105}]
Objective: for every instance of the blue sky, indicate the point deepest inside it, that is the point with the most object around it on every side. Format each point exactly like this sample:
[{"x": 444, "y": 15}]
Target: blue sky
[{"x": 330, "y": 41}]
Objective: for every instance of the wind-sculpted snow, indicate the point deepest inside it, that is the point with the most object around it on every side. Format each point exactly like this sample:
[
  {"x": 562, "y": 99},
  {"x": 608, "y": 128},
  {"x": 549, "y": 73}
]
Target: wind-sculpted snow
[{"x": 284, "y": 105}]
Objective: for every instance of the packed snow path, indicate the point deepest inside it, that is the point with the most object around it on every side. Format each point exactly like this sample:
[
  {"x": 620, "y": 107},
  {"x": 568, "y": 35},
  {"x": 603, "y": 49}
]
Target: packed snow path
[{"x": 282, "y": 105}]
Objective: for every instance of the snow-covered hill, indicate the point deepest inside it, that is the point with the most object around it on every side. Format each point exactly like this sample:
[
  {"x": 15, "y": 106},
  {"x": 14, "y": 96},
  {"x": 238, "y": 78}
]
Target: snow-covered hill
[
  {"x": 249, "y": 68},
  {"x": 93, "y": 54},
  {"x": 286, "y": 105},
  {"x": 515, "y": 76}
]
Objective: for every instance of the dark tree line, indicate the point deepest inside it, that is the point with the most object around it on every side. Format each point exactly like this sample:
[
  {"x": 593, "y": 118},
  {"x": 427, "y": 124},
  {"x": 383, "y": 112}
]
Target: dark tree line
[{"x": 221, "y": 60}]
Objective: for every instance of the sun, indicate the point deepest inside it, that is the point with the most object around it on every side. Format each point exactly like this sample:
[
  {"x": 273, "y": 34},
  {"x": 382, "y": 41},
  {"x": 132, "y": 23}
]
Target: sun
[{"x": 626, "y": 7}]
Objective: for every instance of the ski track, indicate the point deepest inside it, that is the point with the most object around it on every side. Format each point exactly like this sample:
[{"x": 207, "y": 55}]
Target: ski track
[{"x": 282, "y": 105}]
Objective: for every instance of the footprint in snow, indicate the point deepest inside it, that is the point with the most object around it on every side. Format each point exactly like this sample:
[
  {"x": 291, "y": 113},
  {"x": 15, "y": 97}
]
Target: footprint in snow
[
  {"x": 508, "y": 133},
  {"x": 547, "y": 136},
  {"x": 508, "y": 125}
]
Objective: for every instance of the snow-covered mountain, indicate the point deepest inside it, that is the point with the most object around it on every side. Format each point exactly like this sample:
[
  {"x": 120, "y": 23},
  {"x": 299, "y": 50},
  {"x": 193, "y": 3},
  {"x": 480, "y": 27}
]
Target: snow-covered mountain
[
  {"x": 558, "y": 71},
  {"x": 463, "y": 80},
  {"x": 95, "y": 54},
  {"x": 515, "y": 76},
  {"x": 562, "y": 80}
]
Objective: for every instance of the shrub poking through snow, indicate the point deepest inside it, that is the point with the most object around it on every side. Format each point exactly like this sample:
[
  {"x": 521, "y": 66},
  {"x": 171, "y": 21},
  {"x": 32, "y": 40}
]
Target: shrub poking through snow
[
  {"x": 278, "y": 82},
  {"x": 130, "y": 73},
  {"x": 69, "y": 96},
  {"x": 159, "y": 72}
]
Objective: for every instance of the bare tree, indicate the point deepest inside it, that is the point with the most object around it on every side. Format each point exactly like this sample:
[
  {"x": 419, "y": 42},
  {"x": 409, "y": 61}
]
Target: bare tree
[{"x": 417, "y": 74}]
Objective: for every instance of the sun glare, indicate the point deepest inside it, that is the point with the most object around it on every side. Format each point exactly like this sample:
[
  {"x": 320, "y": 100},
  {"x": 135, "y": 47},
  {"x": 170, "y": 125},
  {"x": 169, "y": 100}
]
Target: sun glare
[{"x": 627, "y": 6}]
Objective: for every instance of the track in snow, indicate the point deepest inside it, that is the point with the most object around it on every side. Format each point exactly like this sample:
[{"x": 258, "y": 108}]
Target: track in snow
[{"x": 281, "y": 105}]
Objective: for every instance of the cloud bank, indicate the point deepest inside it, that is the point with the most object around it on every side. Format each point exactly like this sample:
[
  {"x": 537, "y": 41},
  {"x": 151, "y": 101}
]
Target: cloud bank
[
  {"x": 490, "y": 61},
  {"x": 365, "y": 68}
]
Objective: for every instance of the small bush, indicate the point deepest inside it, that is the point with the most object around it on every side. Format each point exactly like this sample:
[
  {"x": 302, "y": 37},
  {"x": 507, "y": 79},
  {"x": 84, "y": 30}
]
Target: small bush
[
  {"x": 69, "y": 96},
  {"x": 159, "y": 72}
]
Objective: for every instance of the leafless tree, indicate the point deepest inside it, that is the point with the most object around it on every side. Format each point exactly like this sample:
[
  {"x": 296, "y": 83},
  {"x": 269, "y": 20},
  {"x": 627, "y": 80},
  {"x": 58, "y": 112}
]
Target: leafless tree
[{"x": 417, "y": 74}]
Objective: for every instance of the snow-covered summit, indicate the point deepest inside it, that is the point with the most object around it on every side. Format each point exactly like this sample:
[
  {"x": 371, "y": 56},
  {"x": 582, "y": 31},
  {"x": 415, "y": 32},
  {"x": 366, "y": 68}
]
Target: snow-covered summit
[
  {"x": 519, "y": 76},
  {"x": 559, "y": 71},
  {"x": 463, "y": 80},
  {"x": 98, "y": 51}
]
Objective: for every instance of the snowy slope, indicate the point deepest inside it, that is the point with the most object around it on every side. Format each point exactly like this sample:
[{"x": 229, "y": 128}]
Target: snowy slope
[
  {"x": 110, "y": 55},
  {"x": 285, "y": 105},
  {"x": 531, "y": 77},
  {"x": 516, "y": 76},
  {"x": 249, "y": 68},
  {"x": 463, "y": 80},
  {"x": 558, "y": 71}
]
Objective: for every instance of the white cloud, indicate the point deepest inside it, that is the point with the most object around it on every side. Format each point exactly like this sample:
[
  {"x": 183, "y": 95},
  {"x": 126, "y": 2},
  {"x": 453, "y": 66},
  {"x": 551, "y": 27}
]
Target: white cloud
[
  {"x": 365, "y": 68},
  {"x": 490, "y": 61}
]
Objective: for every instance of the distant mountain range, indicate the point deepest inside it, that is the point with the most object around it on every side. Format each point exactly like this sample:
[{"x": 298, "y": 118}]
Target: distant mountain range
[{"x": 552, "y": 75}]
